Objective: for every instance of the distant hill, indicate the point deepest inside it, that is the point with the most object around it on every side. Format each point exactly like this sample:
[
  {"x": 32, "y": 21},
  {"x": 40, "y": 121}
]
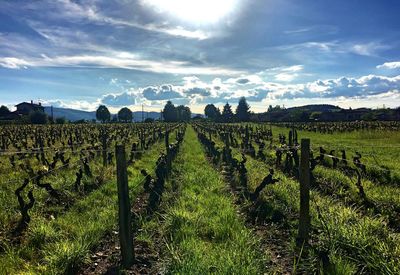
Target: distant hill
[
  {"x": 137, "y": 116},
  {"x": 74, "y": 115},
  {"x": 317, "y": 108},
  {"x": 70, "y": 114}
]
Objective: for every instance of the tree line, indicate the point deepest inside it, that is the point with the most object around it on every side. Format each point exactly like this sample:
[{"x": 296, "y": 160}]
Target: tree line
[
  {"x": 242, "y": 113},
  {"x": 171, "y": 113},
  {"x": 104, "y": 115}
]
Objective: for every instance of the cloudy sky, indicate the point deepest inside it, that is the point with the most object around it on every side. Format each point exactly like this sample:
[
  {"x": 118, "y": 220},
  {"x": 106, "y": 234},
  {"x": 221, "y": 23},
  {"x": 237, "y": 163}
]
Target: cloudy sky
[{"x": 82, "y": 53}]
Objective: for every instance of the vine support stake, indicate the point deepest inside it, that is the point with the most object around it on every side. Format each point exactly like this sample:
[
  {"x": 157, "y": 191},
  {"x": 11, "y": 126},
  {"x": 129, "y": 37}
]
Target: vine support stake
[
  {"x": 166, "y": 140},
  {"x": 104, "y": 145},
  {"x": 124, "y": 209},
  {"x": 305, "y": 220}
]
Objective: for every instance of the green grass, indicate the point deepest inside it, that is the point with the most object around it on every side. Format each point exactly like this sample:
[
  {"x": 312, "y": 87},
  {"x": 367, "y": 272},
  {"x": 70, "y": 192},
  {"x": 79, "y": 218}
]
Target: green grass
[
  {"x": 386, "y": 198},
  {"x": 336, "y": 183},
  {"x": 62, "y": 245},
  {"x": 62, "y": 180},
  {"x": 199, "y": 230},
  {"x": 380, "y": 149},
  {"x": 356, "y": 242},
  {"x": 203, "y": 232}
]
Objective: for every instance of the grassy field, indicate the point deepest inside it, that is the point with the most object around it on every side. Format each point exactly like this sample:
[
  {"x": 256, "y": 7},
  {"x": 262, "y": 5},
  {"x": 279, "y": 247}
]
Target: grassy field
[
  {"x": 357, "y": 238},
  {"x": 202, "y": 232},
  {"x": 61, "y": 245},
  {"x": 206, "y": 224},
  {"x": 380, "y": 149}
]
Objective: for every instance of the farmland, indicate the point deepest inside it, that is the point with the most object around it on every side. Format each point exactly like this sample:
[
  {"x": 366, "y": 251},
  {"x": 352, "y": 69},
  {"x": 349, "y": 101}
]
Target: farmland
[{"x": 205, "y": 198}]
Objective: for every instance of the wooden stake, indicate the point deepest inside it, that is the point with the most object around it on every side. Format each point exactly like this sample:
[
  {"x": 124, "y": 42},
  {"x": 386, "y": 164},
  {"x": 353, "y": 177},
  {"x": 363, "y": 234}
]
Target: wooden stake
[
  {"x": 304, "y": 222},
  {"x": 124, "y": 210},
  {"x": 104, "y": 145}
]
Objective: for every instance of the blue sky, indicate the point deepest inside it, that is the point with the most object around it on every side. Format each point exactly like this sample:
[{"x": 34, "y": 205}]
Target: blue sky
[{"x": 84, "y": 53}]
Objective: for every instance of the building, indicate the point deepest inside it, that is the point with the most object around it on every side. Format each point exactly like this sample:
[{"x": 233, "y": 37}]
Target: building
[
  {"x": 25, "y": 108},
  {"x": 345, "y": 115}
]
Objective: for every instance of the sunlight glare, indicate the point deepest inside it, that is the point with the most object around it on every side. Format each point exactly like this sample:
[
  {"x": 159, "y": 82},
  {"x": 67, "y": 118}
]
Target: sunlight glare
[{"x": 195, "y": 11}]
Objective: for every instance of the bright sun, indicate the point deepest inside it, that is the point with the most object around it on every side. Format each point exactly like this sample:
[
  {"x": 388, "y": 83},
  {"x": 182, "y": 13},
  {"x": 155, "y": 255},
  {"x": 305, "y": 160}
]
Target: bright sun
[{"x": 195, "y": 11}]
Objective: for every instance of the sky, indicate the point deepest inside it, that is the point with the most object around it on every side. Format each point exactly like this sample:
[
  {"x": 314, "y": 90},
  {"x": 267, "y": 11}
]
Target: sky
[{"x": 83, "y": 53}]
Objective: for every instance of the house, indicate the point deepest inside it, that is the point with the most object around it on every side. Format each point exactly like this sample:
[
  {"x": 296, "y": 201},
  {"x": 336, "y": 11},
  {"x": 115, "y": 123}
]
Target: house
[
  {"x": 25, "y": 108},
  {"x": 345, "y": 115}
]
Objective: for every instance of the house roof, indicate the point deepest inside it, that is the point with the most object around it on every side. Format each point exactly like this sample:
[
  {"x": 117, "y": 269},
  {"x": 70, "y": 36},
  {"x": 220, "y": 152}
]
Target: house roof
[{"x": 30, "y": 104}]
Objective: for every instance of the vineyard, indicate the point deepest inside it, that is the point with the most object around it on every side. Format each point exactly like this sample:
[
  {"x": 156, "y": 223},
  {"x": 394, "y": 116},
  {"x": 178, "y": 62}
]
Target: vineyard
[{"x": 248, "y": 198}]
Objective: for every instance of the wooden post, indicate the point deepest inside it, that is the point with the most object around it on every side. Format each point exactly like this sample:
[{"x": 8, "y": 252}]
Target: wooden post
[
  {"x": 291, "y": 138},
  {"x": 226, "y": 139},
  {"x": 304, "y": 222},
  {"x": 167, "y": 141},
  {"x": 104, "y": 143},
  {"x": 124, "y": 210}
]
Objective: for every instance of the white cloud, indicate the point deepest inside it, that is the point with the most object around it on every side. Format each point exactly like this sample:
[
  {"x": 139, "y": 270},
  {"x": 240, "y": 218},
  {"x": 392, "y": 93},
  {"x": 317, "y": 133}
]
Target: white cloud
[
  {"x": 339, "y": 47},
  {"x": 177, "y": 31},
  {"x": 115, "y": 100},
  {"x": 195, "y": 91},
  {"x": 90, "y": 12},
  {"x": 120, "y": 60},
  {"x": 282, "y": 74},
  {"x": 389, "y": 65},
  {"x": 74, "y": 104},
  {"x": 296, "y": 31},
  {"x": 198, "y": 12},
  {"x": 370, "y": 89},
  {"x": 361, "y": 87},
  {"x": 159, "y": 28},
  {"x": 295, "y": 68},
  {"x": 368, "y": 49},
  {"x": 285, "y": 77},
  {"x": 13, "y": 63},
  {"x": 163, "y": 92}
]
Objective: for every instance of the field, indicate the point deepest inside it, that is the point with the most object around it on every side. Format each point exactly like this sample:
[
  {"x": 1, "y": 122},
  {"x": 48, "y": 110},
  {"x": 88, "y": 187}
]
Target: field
[{"x": 206, "y": 198}]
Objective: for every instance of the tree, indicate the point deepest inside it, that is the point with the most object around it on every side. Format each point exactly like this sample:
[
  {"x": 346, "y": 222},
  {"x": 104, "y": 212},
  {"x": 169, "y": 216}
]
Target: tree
[
  {"x": 187, "y": 114},
  {"x": 60, "y": 120},
  {"x": 125, "y": 115},
  {"x": 274, "y": 109},
  {"x": 370, "y": 116},
  {"x": 198, "y": 117},
  {"x": 242, "y": 110},
  {"x": 173, "y": 114},
  {"x": 299, "y": 115},
  {"x": 169, "y": 112},
  {"x": 227, "y": 114},
  {"x": 114, "y": 119},
  {"x": 38, "y": 117},
  {"x": 4, "y": 110},
  {"x": 149, "y": 120},
  {"x": 315, "y": 115},
  {"x": 103, "y": 114},
  {"x": 212, "y": 112},
  {"x": 183, "y": 113},
  {"x": 82, "y": 121}
]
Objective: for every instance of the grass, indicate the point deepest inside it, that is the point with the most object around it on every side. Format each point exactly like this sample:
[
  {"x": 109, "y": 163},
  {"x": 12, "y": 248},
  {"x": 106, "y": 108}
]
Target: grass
[
  {"x": 198, "y": 227},
  {"x": 63, "y": 181},
  {"x": 202, "y": 230},
  {"x": 380, "y": 149},
  {"x": 62, "y": 245},
  {"x": 357, "y": 242},
  {"x": 386, "y": 198}
]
